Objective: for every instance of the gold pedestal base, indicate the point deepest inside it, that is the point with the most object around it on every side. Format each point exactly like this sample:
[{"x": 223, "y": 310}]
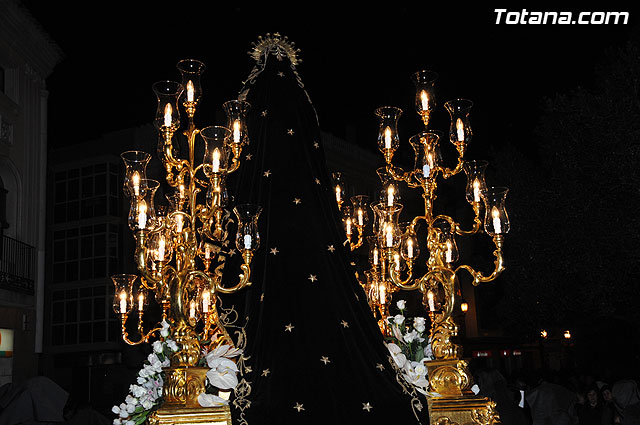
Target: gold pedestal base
[
  {"x": 192, "y": 416},
  {"x": 464, "y": 410}
]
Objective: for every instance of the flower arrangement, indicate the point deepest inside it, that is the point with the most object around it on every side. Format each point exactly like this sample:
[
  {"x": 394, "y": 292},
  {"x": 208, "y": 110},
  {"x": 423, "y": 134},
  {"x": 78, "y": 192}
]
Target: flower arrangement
[
  {"x": 409, "y": 347},
  {"x": 146, "y": 395}
]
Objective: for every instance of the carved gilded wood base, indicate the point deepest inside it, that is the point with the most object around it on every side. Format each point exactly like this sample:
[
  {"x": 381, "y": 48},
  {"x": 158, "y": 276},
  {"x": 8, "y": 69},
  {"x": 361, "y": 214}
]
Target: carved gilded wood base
[
  {"x": 463, "y": 410},
  {"x": 192, "y": 416}
]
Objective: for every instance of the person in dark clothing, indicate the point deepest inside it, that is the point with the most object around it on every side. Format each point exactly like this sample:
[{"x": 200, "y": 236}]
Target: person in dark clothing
[
  {"x": 607, "y": 399},
  {"x": 594, "y": 411}
]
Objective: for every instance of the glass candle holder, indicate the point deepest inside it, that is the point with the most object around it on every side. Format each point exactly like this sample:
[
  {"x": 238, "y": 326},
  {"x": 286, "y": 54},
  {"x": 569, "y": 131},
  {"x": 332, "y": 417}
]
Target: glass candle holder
[
  {"x": 160, "y": 248},
  {"x": 409, "y": 248},
  {"x": 191, "y": 70},
  {"x": 426, "y": 147},
  {"x": 167, "y": 113},
  {"x": 389, "y": 232},
  {"x": 123, "y": 295},
  {"x": 460, "y": 128},
  {"x": 135, "y": 172},
  {"x": 425, "y": 100},
  {"x": 476, "y": 185},
  {"x": 496, "y": 220},
  {"x": 216, "y": 153},
  {"x": 390, "y": 193},
  {"x": 247, "y": 236},
  {"x": 236, "y": 111},
  {"x": 360, "y": 206},
  {"x": 217, "y": 195},
  {"x": 142, "y": 214},
  {"x": 388, "y": 139}
]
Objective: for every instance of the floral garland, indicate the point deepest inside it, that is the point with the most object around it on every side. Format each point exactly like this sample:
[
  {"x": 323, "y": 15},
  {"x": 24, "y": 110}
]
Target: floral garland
[
  {"x": 409, "y": 348},
  {"x": 146, "y": 395}
]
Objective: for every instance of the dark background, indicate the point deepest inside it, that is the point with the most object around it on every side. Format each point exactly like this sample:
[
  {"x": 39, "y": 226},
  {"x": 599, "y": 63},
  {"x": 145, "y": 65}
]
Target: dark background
[{"x": 355, "y": 60}]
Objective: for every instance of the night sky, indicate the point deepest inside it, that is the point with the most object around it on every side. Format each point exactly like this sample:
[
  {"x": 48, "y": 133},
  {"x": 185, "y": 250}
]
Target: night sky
[{"x": 353, "y": 60}]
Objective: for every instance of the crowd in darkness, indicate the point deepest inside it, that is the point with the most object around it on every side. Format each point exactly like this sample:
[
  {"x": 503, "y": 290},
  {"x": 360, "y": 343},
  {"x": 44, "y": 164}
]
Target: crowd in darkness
[{"x": 561, "y": 398}]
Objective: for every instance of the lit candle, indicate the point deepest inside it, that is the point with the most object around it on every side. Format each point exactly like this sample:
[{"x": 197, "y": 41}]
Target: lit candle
[
  {"x": 338, "y": 194},
  {"x": 410, "y": 248},
  {"x": 247, "y": 241},
  {"x": 236, "y": 131},
  {"x": 348, "y": 223},
  {"x": 135, "y": 179},
  {"x": 215, "y": 163},
  {"x": 207, "y": 252},
  {"x": 181, "y": 191},
  {"x": 387, "y": 138},
  {"x": 396, "y": 260},
  {"x": 390, "y": 191},
  {"x": 360, "y": 217},
  {"x": 167, "y": 115},
  {"x": 179, "y": 223},
  {"x": 375, "y": 256},
  {"x": 432, "y": 306},
  {"x": 192, "y": 309},
  {"x": 460, "y": 130},
  {"x": 142, "y": 215},
  {"x": 424, "y": 100},
  {"x": 497, "y": 227},
  {"x": 383, "y": 294},
  {"x": 205, "y": 302},
  {"x": 189, "y": 91},
  {"x": 476, "y": 190},
  {"x": 140, "y": 302},
  {"x": 123, "y": 302},
  {"x": 449, "y": 253},
  {"x": 389, "y": 232},
  {"x": 161, "y": 247}
]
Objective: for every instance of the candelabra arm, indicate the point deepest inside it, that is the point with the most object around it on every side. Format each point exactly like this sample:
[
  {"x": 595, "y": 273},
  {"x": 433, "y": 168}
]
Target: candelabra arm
[
  {"x": 143, "y": 337},
  {"x": 360, "y": 241},
  {"x": 448, "y": 173},
  {"x": 403, "y": 284},
  {"x": 478, "y": 277},
  {"x": 399, "y": 174},
  {"x": 244, "y": 277},
  {"x": 140, "y": 259}
]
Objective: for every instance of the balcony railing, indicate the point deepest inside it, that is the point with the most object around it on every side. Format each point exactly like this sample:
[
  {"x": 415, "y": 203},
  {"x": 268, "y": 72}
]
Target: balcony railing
[{"x": 17, "y": 265}]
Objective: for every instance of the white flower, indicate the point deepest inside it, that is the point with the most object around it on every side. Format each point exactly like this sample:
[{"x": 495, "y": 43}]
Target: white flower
[
  {"x": 172, "y": 345},
  {"x": 147, "y": 404},
  {"x": 117, "y": 421},
  {"x": 137, "y": 390},
  {"x": 393, "y": 348},
  {"x": 410, "y": 336},
  {"x": 419, "y": 324},
  {"x": 157, "y": 346},
  {"x": 222, "y": 374},
  {"x": 427, "y": 351},
  {"x": 400, "y": 359},
  {"x": 420, "y": 369},
  {"x": 164, "y": 330},
  {"x": 398, "y": 319},
  {"x": 115, "y": 409},
  {"x": 401, "y": 304},
  {"x": 211, "y": 400}
]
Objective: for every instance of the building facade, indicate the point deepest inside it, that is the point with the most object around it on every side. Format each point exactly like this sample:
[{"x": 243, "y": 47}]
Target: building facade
[{"x": 27, "y": 57}]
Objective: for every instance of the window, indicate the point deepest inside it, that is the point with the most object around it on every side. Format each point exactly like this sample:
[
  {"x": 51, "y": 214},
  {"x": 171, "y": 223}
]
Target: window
[{"x": 2, "y": 86}]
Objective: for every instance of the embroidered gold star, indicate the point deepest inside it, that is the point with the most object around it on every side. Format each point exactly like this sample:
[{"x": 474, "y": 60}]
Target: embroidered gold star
[
  {"x": 274, "y": 251},
  {"x": 312, "y": 278},
  {"x": 367, "y": 406},
  {"x": 325, "y": 360},
  {"x": 280, "y": 74},
  {"x": 264, "y": 113},
  {"x": 265, "y": 372},
  {"x": 330, "y": 248},
  {"x": 267, "y": 173},
  {"x": 380, "y": 367},
  {"x": 248, "y": 157},
  {"x": 344, "y": 324},
  {"x": 297, "y": 201},
  {"x": 262, "y": 297},
  {"x": 316, "y": 145},
  {"x": 317, "y": 180},
  {"x": 299, "y": 407},
  {"x": 289, "y": 328},
  {"x": 232, "y": 252},
  {"x": 290, "y": 132},
  {"x": 248, "y": 369}
]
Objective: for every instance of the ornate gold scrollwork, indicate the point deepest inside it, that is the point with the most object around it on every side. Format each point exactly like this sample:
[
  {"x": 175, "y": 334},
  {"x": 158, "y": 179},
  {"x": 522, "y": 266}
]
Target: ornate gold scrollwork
[{"x": 486, "y": 416}]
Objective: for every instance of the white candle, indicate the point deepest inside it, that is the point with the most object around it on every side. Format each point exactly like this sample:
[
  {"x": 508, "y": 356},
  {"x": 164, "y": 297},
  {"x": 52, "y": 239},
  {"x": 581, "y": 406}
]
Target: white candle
[
  {"x": 181, "y": 188},
  {"x": 389, "y": 232},
  {"x": 123, "y": 302},
  {"x": 497, "y": 227},
  {"x": 426, "y": 170},
  {"x": 424, "y": 99},
  {"x": 215, "y": 163},
  {"x": 205, "y": 302},
  {"x": 348, "y": 222},
  {"x": 189, "y": 91},
  {"x": 375, "y": 257},
  {"x": 161, "y": 249},
  {"x": 140, "y": 302},
  {"x": 167, "y": 115},
  {"x": 338, "y": 194},
  {"x": 476, "y": 190},
  {"x": 387, "y": 138},
  {"x": 460, "y": 130},
  {"x": 207, "y": 252},
  {"x": 135, "y": 179},
  {"x": 432, "y": 306},
  {"x": 179, "y": 223},
  {"x": 247, "y": 241},
  {"x": 410, "y": 248},
  {"x": 396, "y": 260},
  {"x": 390, "y": 191},
  {"x": 236, "y": 131},
  {"x": 449, "y": 253},
  {"x": 360, "y": 217},
  {"x": 192, "y": 309},
  {"x": 383, "y": 294},
  {"x": 142, "y": 215}
]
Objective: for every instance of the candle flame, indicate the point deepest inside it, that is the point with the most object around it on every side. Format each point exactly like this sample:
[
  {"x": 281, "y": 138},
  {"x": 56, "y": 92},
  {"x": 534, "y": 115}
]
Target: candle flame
[
  {"x": 167, "y": 115},
  {"x": 460, "y": 130},
  {"x": 190, "y": 91},
  {"x": 424, "y": 99},
  {"x": 495, "y": 213}
]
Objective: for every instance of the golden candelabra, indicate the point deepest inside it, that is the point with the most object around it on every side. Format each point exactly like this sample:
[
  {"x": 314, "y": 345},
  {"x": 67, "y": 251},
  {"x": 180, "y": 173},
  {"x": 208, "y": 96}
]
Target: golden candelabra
[
  {"x": 394, "y": 247},
  {"x": 181, "y": 249}
]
